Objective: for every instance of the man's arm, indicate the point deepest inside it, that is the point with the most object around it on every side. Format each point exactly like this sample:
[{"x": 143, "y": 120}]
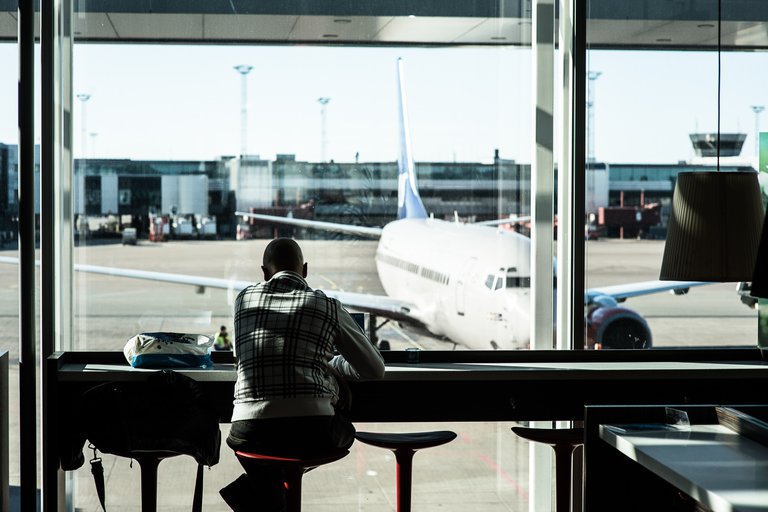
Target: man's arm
[{"x": 358, "y": 358}]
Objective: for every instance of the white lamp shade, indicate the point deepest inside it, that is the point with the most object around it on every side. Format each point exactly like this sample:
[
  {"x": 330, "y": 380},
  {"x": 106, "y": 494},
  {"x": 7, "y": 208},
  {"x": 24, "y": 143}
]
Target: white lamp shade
[{"x": 714, "y": 229}]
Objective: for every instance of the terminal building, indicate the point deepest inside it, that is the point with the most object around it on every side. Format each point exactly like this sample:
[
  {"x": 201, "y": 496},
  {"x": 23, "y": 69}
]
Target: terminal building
[{"x": 631, "y": 200}]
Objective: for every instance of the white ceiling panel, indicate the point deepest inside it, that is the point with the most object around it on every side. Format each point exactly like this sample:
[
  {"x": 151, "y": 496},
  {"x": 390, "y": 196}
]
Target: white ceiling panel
[
  {"x": 158, "y": 26},
  {"x": 404, "y": 29},
  {"x": 95, "y": 25},
  {"x": 499, "y": 31},
  {"x": 247, "y": 27},
  {"x": 753, "y": 34},
  {"x": 8, "y": 25},
  {"x": 654, "y": 33},
  {"x": 341, "y": 28}
]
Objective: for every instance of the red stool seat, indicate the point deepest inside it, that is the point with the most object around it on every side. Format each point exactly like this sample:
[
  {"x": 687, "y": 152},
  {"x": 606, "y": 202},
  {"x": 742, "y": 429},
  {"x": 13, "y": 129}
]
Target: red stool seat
[
  {"x": 404, "y": 446},
  {"x": 563, "y": 441},
  {"x": 294, "y": 469}
]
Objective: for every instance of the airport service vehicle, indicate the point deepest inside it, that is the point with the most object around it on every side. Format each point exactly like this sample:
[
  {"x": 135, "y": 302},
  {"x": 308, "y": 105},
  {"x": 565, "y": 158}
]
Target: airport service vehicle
[
  {"x": 129, "y": 236},
  {"x": 206, "y": 227}
]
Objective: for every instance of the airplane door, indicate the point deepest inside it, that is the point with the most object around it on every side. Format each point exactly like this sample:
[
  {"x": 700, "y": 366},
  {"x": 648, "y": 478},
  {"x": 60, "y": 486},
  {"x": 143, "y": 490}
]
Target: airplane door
[{"x": 461, "y": 293}]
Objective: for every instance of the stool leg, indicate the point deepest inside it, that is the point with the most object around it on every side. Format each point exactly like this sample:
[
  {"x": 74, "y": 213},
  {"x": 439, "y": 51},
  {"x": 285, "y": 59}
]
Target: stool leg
[
  {"x": 404, "y": 457},
  {"x": 563, "y": 477},
  {"x": 293, "y": 491},
  {"x": 148, "y": 467}
]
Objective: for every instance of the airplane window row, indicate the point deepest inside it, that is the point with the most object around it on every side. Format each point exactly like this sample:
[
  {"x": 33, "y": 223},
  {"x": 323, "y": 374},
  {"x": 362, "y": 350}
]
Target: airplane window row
[
  {"x": 397, "y": 262},
  {"x": 434, "y": 275},
  {"x": 427, "y": 273}
]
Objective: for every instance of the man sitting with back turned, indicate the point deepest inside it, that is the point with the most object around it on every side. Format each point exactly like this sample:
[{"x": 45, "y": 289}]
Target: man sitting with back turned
[{"x": 286, "y": 389}]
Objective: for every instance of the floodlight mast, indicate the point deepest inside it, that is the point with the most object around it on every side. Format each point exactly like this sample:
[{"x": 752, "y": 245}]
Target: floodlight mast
[
  {"x": 83, "y": 97},
  {"x": 592, "y": 76},
  {"x": 757, "y": 109},
  {"x": 323, "y": 135},
  {"x": 243, "y": 70}
]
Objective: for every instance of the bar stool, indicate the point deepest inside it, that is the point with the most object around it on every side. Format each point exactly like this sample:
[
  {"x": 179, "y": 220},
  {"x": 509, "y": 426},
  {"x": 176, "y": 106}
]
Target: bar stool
[
  {"x": 294, "y": 469},
  {"x": 563, "y": 441},
  {"x": 404, "y": 446}
]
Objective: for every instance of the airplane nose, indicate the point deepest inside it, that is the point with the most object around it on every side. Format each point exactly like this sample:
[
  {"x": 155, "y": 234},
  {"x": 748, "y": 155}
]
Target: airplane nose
[{"x": 517, "y": 306}]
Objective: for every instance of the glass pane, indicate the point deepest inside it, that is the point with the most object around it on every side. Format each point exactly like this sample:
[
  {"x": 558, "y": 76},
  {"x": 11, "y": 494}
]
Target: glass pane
[
  {"x": 652, "y": 100},
  {"x": 172, "y": 139},
  {"x": 158, "y": 152},
  {"x": 9, "y": 211}
]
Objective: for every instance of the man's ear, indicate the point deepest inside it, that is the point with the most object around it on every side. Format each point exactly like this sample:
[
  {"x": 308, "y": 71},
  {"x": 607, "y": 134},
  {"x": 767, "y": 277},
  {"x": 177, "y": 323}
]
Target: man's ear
[
  {"x": 267, "y": 273},
  {"x": 304, "y": 270}
]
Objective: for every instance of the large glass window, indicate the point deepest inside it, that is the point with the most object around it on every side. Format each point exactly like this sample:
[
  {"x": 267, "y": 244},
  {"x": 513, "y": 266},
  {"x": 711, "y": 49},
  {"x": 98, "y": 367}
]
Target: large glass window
[
  {"x": 652, "y": 113},
  {"x": 9, "y": 206},
  {"x": 173, "y": 151},
  {"x": 173, "y": 138}
]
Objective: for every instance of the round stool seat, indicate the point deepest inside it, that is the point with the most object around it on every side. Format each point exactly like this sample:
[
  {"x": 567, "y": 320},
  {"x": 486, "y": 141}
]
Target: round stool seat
[
  {"x": 293, "y": 469},
  {"x": 411, "y": 440},
  {"x": 553, "y": 436},
  {"x": 291, "y": 462}
]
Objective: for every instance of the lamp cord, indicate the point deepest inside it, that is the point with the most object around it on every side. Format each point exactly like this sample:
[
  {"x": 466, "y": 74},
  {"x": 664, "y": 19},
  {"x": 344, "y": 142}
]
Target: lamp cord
[{"x": 719, "y": 28}]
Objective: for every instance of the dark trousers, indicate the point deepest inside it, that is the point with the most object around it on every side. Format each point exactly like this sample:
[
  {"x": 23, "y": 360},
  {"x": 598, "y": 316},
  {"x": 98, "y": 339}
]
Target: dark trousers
[{"x": 298, "y": 437}]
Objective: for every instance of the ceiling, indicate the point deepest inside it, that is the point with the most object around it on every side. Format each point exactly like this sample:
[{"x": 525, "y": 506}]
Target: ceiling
[{"x": 685, "y": 24}]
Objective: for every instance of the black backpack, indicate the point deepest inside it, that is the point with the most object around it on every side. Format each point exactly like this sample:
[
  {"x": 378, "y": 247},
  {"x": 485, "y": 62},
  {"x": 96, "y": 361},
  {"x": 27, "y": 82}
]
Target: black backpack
[{"x": 166, "y": 413}]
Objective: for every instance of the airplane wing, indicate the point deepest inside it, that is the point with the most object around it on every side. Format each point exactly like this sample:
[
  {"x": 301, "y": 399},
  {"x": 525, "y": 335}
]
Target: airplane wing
[
  {"x": 621, "y": 292},
  {"x": 379, "y": 305},
  {"x": 365, "y": 231},
  {"x": 512, "y": 219}
]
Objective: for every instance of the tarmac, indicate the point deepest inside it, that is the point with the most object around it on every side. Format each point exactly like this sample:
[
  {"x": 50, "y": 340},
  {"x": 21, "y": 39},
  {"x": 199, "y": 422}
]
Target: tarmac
[{"x": 485, "y": 468}]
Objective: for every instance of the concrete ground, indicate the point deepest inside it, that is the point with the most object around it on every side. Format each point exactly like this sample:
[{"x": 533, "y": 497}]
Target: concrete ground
[{"x": 485, "y": 468}]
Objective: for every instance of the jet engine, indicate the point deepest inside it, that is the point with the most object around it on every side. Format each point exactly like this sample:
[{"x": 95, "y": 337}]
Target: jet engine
[{"x": 610, "y": 326}]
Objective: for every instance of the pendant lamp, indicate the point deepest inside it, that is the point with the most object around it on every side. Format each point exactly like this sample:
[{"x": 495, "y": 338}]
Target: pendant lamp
[{"x": 714, "y": 229}]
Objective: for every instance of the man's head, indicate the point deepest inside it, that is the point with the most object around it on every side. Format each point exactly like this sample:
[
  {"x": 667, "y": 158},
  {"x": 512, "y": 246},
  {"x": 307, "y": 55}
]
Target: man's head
[{"x": 283, "y": 254}]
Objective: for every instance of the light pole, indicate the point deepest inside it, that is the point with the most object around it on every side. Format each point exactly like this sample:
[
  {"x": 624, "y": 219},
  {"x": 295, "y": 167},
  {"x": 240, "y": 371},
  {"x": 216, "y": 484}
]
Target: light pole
[
  {"x": 757, "y": 109},
  {"x": 93, "y": 144},
  {"x": 592, "y": 76},
  {"x": 243, "y": 70},
  {"x": 323, "y": 139},
  {"x": 83, "y": 97}
]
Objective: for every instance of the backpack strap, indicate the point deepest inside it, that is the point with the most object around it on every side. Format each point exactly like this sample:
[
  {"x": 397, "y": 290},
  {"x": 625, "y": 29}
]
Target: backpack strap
[
  {"x": 197, "y": 502},
  {"x": 97, "y": 470}
]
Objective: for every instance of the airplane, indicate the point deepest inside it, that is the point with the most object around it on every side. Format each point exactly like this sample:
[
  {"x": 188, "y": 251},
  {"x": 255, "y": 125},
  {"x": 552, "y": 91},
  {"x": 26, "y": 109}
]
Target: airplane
[
  {"x": 470, "y": 283},
  {"x": 466, "y": 283}
]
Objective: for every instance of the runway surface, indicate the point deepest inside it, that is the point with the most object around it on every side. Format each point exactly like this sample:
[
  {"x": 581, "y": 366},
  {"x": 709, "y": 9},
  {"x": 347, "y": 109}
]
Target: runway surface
[{"x": 485, "y": 468}]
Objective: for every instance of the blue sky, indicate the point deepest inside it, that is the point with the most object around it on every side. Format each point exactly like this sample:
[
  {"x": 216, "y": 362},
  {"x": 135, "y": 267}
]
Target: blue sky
[{"x": 183, "y": 102}]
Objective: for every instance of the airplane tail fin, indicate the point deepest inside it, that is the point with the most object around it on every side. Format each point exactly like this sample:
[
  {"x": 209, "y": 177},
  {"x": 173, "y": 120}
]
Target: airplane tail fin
[{"x": 409, "y": 203}]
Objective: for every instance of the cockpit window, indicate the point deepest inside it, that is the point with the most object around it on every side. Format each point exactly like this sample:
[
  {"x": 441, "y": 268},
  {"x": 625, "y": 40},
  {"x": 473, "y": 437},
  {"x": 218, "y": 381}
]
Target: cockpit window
[
  {"x": 498, "y": 282},
  {"x": 518, "y": 282}
]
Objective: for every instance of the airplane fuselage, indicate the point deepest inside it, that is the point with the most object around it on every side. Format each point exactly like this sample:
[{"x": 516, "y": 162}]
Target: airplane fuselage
[{"x": 470, "y": 283}]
